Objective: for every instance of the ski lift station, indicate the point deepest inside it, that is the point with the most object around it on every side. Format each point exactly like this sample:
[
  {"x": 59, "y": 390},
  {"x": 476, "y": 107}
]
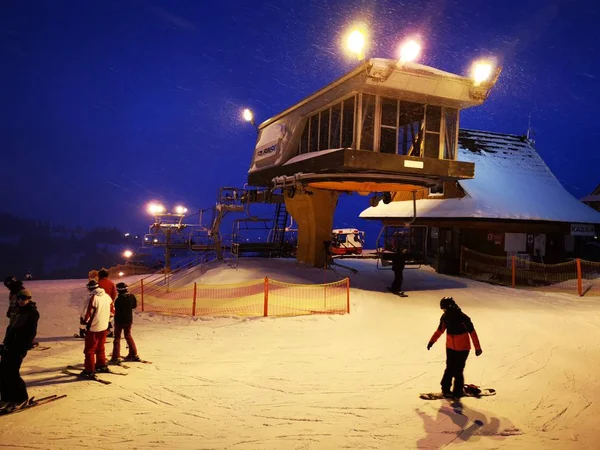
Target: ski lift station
[{"x": 386, "y": 126}]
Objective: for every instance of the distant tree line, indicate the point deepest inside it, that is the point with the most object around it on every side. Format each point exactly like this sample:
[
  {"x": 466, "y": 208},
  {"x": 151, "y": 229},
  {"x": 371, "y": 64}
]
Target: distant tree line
[{"x": 27, "y": 244}]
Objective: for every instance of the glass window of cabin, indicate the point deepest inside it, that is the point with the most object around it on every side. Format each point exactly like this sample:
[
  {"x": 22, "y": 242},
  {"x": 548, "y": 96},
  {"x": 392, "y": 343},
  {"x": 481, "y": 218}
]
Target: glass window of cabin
[
  {"x": 410, "y": 128},
  {"x": 438, "y": 189},
  {"x": 451, "y": 122},
  {"x": 348, "y": 123},
  {"x": 314, "y": 133},
  {"x": 335, "y": 130},
  {"x": 324, "y": 130},
  {"x": 304, "y": 139},
  {"x": 368, "y": 122},
  {"x": 389, "y": 125},
  {"x": 432, "y": 135}
]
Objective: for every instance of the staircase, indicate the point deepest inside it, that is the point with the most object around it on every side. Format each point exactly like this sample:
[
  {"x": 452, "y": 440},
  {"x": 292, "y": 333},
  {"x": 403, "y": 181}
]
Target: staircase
[{"x": 279, "y": 225}]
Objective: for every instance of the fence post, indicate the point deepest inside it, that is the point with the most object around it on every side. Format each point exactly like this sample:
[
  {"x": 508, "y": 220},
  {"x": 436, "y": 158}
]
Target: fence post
[
  {"x": 348, "y": 295},
  {"x": 266, "y": 290},
  {"x": 579, "y": 281},
  {"x": 142, "y": 293},
  {"x": 194, "y": 304},
  {"x": 514, "y": 271},
  {"x": 462, "y": 247}
]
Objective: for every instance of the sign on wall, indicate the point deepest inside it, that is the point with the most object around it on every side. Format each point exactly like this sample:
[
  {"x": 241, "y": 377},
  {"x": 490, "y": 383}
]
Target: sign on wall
[
  {"x": 582, "y": 229},
  {"x": 268, "y": 150},
  {"x": 539, "y": 245},
  {"x": 515, "y": 242}
]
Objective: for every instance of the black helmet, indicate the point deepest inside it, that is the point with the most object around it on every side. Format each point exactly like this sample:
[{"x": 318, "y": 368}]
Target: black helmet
[
  {"x": 9, "y": 280},
  {"x": 121, "y": 287},
  {"x": 92, "y": 284},
  {"x": 447, "y": 303}
]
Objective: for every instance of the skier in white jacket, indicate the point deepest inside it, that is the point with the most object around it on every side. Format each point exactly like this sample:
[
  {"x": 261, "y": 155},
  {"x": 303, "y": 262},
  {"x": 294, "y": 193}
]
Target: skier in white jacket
[{"x": 96, "y": 319}]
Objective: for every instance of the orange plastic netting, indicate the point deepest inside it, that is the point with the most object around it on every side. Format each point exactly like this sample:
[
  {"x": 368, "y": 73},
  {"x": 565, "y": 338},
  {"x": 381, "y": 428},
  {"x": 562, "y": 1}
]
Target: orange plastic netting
[
  {"x": 576, "y": 277},
  {"x": 253, "y": 298}
]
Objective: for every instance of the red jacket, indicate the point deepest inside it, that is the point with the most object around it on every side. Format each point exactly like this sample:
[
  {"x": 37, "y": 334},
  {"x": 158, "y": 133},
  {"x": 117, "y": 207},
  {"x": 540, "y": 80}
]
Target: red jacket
[
  {"x": 459, "y": 327},
  {"x": 110, "y": 288}
]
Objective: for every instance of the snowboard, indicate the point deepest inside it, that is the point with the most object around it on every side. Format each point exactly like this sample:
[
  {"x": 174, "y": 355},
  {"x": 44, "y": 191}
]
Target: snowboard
[
  {"x": 399, "y": 294},
  {"x": 470, "y": 391},
  {"x": 33, "y": 402}
]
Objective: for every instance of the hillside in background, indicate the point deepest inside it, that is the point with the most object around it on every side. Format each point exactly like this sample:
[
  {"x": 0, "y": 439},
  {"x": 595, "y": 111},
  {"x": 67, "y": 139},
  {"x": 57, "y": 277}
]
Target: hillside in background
[{"x": 53, "y": 251}]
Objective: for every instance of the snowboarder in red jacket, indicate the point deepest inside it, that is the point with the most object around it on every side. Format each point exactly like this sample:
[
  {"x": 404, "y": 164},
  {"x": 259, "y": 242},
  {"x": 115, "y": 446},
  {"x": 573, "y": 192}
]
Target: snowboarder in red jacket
[{"x": 459, "y": 333}]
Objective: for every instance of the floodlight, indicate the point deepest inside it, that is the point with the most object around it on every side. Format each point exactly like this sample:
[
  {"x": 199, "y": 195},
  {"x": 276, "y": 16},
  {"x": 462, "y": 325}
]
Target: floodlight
[
  {"x": 481, "y": 71},
  {"x": 409, "y": 51}
]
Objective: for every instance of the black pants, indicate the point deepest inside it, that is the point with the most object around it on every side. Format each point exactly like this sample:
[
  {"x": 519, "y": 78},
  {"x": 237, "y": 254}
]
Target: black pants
[
  {"x": 397, "y": 284},
  {"x": 12, "y": 386},
  {"x": 455, "y": 365}
]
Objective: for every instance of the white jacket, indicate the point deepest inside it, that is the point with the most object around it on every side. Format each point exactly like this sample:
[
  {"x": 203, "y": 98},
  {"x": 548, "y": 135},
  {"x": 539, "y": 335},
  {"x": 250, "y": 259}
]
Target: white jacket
[{"x": 98, "y": 310}]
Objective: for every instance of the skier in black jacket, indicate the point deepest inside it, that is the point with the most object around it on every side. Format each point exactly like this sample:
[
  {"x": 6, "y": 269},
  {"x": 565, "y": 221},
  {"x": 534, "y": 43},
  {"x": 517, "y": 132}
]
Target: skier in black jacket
[
  {"x": 398, "y": 264},
  {"x": 125, "y": 303},
  {"x": 14, "y": 286},
  {"x": 19, "y": 339}
]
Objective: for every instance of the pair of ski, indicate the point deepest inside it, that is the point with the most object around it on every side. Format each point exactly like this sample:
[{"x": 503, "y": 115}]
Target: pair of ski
[
  {"x": 31, "y": 403},
  {"x": 74, "y": 371}
]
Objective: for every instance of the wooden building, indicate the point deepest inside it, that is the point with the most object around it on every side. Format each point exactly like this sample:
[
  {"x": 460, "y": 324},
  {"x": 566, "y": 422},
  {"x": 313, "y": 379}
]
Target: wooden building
[{"x": 513, "y": 205}]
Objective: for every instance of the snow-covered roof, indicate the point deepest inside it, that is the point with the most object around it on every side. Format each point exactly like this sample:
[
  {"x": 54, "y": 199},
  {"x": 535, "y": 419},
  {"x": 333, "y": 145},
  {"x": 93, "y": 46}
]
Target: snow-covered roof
[{"x": 511, "y": 182}]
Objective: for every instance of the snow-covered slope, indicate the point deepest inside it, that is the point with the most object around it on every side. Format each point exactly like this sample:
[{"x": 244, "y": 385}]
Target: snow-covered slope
[{"x": 323, "y": 382}]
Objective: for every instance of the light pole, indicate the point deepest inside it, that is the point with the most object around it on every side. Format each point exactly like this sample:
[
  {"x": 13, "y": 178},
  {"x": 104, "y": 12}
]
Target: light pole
[
  {"x": 127, "y": 254},
  {"x": 167, "y": 223}
]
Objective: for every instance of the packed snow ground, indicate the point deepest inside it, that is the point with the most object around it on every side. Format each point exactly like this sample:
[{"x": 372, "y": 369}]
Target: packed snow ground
[{"x": 323, "y": 382}]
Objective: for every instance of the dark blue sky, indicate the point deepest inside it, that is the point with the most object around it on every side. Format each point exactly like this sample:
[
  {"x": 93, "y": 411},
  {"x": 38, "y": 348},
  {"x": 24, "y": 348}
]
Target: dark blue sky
[{"x": 108, "y": 104}]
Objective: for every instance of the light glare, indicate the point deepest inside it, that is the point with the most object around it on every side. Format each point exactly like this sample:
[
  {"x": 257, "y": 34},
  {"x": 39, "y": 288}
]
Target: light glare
[
  {"x": 127, "y": 253},
  {"x": 481, "y": 71},
  {"x": 156, "y": 208},
  {"x": 356, "y": 42},
  {"x": 248, "y": 116},
  {"x": 409, "y": 51},
  {"x": 180, "y": 209}
]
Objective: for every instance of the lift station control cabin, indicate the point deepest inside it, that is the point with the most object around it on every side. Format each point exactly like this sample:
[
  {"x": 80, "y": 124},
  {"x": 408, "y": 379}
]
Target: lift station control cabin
[{"x": 384, "y": 127}]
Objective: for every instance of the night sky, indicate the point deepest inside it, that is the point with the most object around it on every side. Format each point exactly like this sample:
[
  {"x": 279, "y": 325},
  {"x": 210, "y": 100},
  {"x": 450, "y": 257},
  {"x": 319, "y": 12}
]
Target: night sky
[{"x": 106, "y": 105}]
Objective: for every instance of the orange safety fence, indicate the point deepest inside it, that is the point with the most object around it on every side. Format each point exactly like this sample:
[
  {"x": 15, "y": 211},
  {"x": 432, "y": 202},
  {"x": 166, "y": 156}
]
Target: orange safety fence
[
  {"x": 576, "y": 277},
  {"x": 254, "y": 298}
]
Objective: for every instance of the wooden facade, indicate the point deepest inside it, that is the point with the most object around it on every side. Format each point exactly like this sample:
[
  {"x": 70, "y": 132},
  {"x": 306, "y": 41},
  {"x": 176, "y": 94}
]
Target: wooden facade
[{"x": 452, "y": 215}]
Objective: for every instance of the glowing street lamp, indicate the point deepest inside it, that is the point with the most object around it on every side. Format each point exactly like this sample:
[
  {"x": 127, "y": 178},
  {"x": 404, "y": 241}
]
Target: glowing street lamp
[
  {"x": 156, "y": 208},
  {"x": 356, "y": 42},
  {"x": 248, "y": 116},
  {"x": 409, "y": 51},
  {"x": 127, "y": 254},
  {"x": 180, "y": 209},
  {"x": 121, "y": 274},
  {"x": 481, "y": 71}
]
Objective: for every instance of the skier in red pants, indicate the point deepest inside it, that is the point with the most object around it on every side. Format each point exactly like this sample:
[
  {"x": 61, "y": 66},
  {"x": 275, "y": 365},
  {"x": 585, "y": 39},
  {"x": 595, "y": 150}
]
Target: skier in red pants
[
  {"x": 96, "y": 319},
  {"x": 125, "y": 303}
]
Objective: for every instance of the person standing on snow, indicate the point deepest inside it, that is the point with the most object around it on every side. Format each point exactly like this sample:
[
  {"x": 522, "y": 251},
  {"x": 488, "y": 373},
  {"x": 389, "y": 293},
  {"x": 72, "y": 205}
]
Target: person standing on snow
[
  {"x": 458, "y": 327},
  {"x": 19, "y": 339},
  {"x": 14, "y": 286},
  {"x": 96, "y": 318},
  {"x": 398, "y": 264},
  {"x": 124, "y": 306},
  {"x": 111, "y": 290}
]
